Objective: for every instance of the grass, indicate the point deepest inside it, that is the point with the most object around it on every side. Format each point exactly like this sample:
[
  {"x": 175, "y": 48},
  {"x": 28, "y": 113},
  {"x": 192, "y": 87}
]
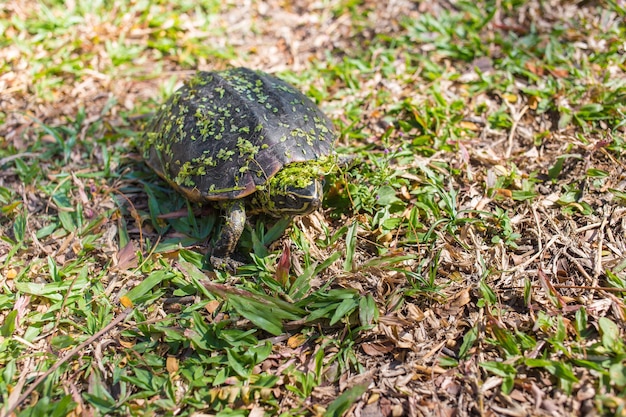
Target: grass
[{"x": 469, "y": 256}]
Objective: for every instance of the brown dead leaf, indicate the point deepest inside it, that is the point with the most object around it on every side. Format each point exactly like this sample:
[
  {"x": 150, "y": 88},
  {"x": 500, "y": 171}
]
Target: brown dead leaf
[
  {"x": 559, "y": 72},
  {"x": 538, "y": 70},
  {"x": 504, "y": 192},
  {"x": 127, "y": 257},
  {"x": 386, "y": 238},
  {"x": 377, "y": 348},
  {"x": 586, "y": 392},
  {"x": 126, "y": 344},
  {"x": 549, "y": 288},
  {"x": 125, "y": 301},
  {"x": 428, "y": 370},
  {"x": 212, "y": 306},
  {"x": 461, "y": 298},
  {"x": 518, "y": 259},
  {"x": 257, "y": 412},
  {"x": 393, "y": 320},
  {"x": 373, "y": 398},
  {"x": 465, "y": 124},
  {"x": 21, "y": 306},
  {"x": 371, "y": 410},
  {"x": 404, "y": 192},
  {"x": 296, "y": 340},
  {"x": 518, "y": 395},
  {"x": 64, "y": 246},
  {"x": 385, "y": 406},
  {"x": 533, "y": 102},
  {"x": 76, "y": 247},
  {"x": 80, "y": 187},
  {"x": 450, "y": 385},
  {"x": 562, "y": 270},
  {"x": 171, "y": 364},
  {"x": 414, "y": 313}
]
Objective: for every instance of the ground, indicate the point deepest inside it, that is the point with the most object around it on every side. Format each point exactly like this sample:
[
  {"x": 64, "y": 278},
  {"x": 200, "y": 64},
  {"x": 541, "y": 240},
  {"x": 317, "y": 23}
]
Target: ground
[{"x": 469, "y": 258}]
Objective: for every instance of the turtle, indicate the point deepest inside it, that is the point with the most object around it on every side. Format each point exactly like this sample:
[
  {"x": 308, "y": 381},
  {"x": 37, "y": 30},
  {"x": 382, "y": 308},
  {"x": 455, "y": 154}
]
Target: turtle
[{"x": 244, "y": 141}]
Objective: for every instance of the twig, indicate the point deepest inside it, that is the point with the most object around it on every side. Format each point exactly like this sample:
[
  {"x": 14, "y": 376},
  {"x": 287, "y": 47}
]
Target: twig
[
  {"x": 572, "y": 287},
  {"x": 590, "y": 287},
  {"x": 597, "y": 270},
  {"x": 516, "y": 121},
  {"x": 536, "y": 255},
  {"x": 64, "y": 359},
  {"x": 17, "y": 156},
  {"x": 579, "y": 267}
]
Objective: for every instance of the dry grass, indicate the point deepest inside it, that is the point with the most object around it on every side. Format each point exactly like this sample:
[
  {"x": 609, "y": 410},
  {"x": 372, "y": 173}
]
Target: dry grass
[{"x": 482, "y": 212}]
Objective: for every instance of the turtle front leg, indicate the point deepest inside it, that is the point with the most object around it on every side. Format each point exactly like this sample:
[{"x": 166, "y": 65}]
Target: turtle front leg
[{"x": 232, "y": 227}]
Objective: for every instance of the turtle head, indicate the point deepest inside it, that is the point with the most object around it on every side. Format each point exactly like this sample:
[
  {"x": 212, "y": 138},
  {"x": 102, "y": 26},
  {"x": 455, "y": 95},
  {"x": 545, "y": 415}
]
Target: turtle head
[
  {"x": 296, "y": 189},
  {"x": 296, "y": 199}
]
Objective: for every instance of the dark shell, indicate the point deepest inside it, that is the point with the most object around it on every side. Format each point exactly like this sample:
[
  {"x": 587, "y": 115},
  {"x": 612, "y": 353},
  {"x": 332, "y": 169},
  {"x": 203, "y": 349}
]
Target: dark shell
[{"x": 224, "y": 133}]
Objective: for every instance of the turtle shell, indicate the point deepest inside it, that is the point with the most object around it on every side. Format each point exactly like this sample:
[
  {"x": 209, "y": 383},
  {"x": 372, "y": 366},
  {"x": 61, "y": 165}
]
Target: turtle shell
[{"x": 223, "y": 134}]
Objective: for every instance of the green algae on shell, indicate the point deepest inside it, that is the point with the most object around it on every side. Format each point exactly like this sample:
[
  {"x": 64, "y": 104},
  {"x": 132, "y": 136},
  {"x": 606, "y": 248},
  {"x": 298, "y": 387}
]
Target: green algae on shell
[{"x": 224, "y": 134}]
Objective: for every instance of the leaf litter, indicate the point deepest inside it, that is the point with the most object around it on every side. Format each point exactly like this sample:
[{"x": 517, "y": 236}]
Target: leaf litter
[{"x": 482, "y": 214}]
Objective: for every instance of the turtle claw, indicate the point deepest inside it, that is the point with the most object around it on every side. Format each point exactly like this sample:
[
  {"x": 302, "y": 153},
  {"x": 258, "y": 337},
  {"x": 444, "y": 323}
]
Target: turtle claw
[{"x": 225, "y": 264}]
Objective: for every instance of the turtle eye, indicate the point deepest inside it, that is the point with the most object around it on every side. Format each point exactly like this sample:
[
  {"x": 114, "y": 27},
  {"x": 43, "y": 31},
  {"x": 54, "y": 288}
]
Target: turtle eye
[{"x": 291, "y": 201}]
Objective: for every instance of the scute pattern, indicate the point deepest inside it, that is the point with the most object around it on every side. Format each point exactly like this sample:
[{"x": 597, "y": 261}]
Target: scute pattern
[{"x": 224, "y": 133}]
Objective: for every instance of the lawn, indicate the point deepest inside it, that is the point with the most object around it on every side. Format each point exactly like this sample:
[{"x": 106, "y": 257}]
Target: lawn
[{"x": 469, "y": 257}]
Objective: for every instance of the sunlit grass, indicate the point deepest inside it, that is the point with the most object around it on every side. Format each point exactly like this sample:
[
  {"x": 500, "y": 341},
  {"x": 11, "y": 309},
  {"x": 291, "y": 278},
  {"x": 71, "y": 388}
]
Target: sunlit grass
[{"x": 473, "y": 224}]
